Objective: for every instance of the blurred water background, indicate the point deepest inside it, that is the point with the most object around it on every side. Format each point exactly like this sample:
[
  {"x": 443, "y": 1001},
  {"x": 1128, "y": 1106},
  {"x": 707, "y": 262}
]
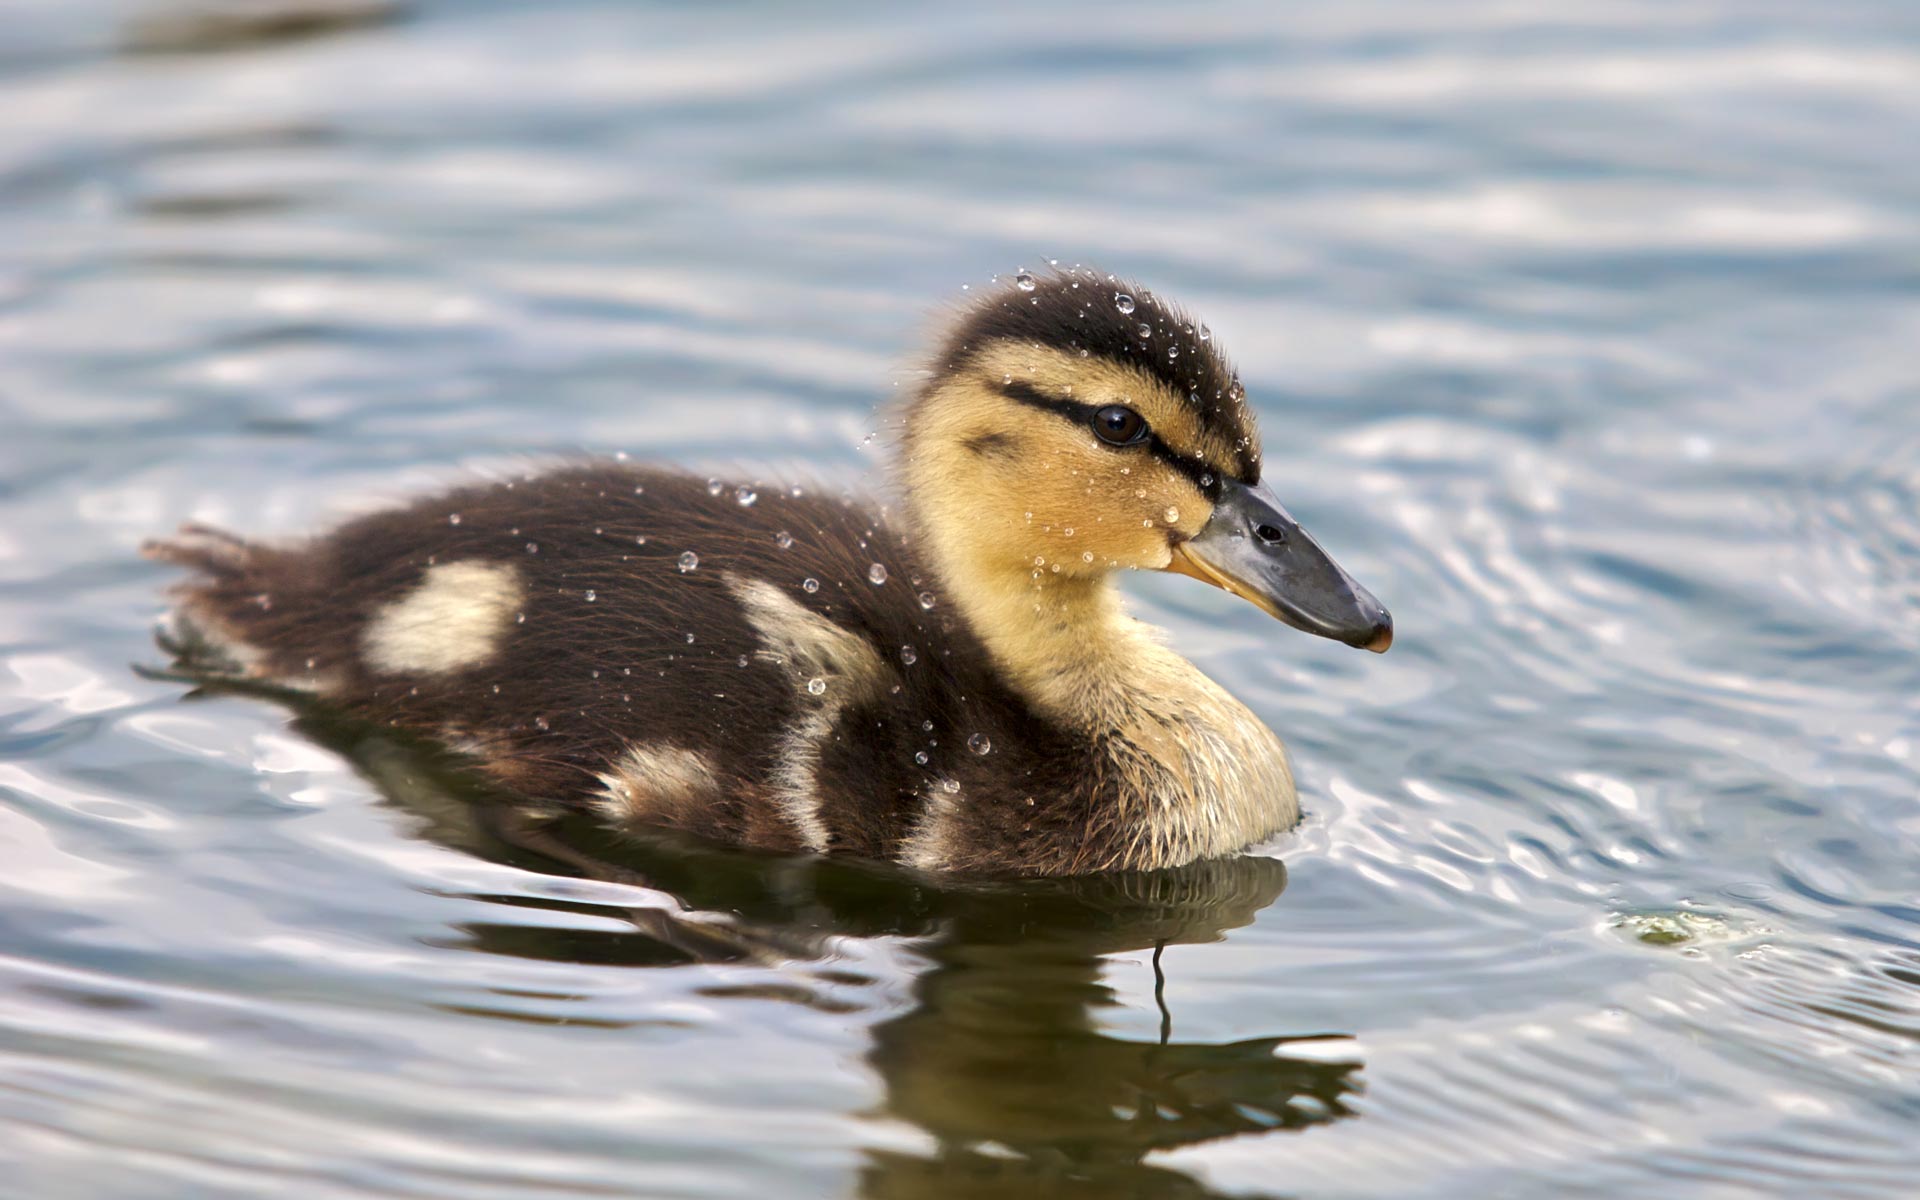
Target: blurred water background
[{"x": 1586, "y": 334}]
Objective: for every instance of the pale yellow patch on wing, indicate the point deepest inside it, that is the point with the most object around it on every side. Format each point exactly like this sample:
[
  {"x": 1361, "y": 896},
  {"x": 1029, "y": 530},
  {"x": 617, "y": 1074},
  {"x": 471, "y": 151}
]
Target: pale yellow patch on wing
[
  {"x": 454, "y": 619},
  {"x": 926, "y": 847},
  {"x": 657, "y": 784},
  {"x": 831, "y": 668}
]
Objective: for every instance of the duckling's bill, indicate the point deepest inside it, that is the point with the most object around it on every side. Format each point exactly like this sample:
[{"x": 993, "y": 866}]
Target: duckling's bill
[{"x": 1253, "y": 547}]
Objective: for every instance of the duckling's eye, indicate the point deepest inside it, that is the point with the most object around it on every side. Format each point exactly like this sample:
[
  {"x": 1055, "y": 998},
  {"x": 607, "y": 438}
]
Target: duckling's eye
[{"x": 1118, "y": 425}]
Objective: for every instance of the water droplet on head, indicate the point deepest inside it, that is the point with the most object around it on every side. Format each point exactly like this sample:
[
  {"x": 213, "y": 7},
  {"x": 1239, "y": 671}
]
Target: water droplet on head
[
  {"x": 810, "y": 585},
  {"x": 640, "y": 539},
  {"x": 520, "y": 618},
  {"x": 1068, "y": 531},
  {"x": 533, "y": 547},
  {"x": 920, "y": 756},
  {"x": 715, "y": 487},
  {"x": 746, "y": 496},
  {"x": 783, "y": 539},
  {"x": 540, "y": 723},
  {"x": 1123, "y": 302},
  {"x": 1206, "y": 480},
  {"x": 1144, "y": 330},
  {"x": 949, "y": 786},
  {"x": 1086, "y": 556},
  {"x": 591, "y": 595},
  {"x": 926, "y": 727},
  {"x": 688, "y": 561},
  {"x": 876, "y": 574},
  {"x": 743, "y": 660},
  {"x": 816, "y": 686},
  {"x": 1173, "y": 352},
  {"x": 1172, "y": 515},
  {"x": 979, "y": 744},
  {"x": 927, "y": 600},
  {"x": 453, "y": 518},
  {"x": 1023, "y": 281},
  {"x": 907, "y": 655},
  {"x": 639, "y": 489},
  {"x": 689, "y": 639}
]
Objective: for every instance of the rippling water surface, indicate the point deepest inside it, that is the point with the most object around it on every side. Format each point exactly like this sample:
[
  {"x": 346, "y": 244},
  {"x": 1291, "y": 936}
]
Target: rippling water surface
[{"x": 1585, "y": 334}]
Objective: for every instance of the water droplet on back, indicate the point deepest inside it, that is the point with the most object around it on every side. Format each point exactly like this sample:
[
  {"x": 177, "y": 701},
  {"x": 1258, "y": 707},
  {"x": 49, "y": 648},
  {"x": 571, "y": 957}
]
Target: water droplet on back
[
  {"x": 816, "y": 686},
  {"x": 876, "y": 574},
  {"x": 688, "y": 561},
  {"x": 810, "y": 585},
  {"x": 979, "y": 744},
  {"x": 1144, "y": 330},
  {"x": 1023, "y": 281},
  {"x": 715, "y": 487},
  {"x": 927, "y": 600},
  {"x": 908, "y": 656},
  {"x": 591, "y": 595},
  {"x": 453, "y": 518},
  {"x": 1123, "y": 302},
  {"x": 746, "y": 496},
  {"x": 783, "y": 539}
]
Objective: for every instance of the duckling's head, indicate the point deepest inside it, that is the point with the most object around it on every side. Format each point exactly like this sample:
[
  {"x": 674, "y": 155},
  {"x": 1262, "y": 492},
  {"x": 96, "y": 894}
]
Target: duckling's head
[{"x": 1072, "y": 425}]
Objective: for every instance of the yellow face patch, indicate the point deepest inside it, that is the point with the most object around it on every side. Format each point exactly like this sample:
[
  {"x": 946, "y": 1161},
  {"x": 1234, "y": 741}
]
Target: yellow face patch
[{"x": 1005, "y": 453}]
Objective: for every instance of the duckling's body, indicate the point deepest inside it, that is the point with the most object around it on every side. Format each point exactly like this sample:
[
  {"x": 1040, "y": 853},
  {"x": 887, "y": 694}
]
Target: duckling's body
[{"x": 790, "y": 671}]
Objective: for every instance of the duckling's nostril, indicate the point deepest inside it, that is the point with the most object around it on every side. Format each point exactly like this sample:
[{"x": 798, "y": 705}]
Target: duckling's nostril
[{"x": 1272, "y": 535}]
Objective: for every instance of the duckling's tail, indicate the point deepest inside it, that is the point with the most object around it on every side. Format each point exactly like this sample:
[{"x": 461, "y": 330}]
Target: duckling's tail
[
  {"x": 203, "y": 548},
  {"x": 215, "y": 629}
]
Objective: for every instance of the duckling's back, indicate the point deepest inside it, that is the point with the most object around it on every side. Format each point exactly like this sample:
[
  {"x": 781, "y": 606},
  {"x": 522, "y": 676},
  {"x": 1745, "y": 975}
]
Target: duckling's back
[{"x": 770, "y": 669}]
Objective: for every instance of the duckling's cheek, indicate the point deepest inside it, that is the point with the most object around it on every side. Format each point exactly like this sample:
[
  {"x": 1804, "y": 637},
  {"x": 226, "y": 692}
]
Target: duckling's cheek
[
  {"x": 1156, "y": 557},
  {"x": 454, "y": 619}
]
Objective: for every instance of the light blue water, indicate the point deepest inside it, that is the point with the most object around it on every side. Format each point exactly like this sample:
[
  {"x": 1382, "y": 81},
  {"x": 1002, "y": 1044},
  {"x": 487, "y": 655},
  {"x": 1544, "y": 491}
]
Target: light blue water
[{"x": 1584, "y": 334}]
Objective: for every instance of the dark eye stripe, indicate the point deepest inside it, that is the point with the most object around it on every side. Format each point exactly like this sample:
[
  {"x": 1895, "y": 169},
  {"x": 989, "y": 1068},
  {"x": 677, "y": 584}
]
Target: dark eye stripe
[{"x": 1201, "y": 473}]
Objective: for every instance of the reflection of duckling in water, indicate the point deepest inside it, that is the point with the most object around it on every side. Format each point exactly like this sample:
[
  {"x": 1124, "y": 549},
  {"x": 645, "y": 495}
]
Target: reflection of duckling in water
[
  {"x": 1001, "y": 1058},
  {"x": 959, "y": 690},
  {"x": 1003, "y": 1061}
]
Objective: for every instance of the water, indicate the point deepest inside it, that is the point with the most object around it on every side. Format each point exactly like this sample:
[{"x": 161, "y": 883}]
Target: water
[{"x": 1582, "y": 334}]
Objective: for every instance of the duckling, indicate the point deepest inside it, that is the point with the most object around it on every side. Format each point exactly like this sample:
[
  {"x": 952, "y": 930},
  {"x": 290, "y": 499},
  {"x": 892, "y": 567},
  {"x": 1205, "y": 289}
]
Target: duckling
[{"x": 952, "y": 683}]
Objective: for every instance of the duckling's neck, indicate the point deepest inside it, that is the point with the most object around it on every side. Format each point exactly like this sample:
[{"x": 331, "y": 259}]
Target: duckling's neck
[
  {"x": 1198, "y": 774},
  {"x": 1061, "y": 637},
  {"x": 1066, "y": 643}
]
